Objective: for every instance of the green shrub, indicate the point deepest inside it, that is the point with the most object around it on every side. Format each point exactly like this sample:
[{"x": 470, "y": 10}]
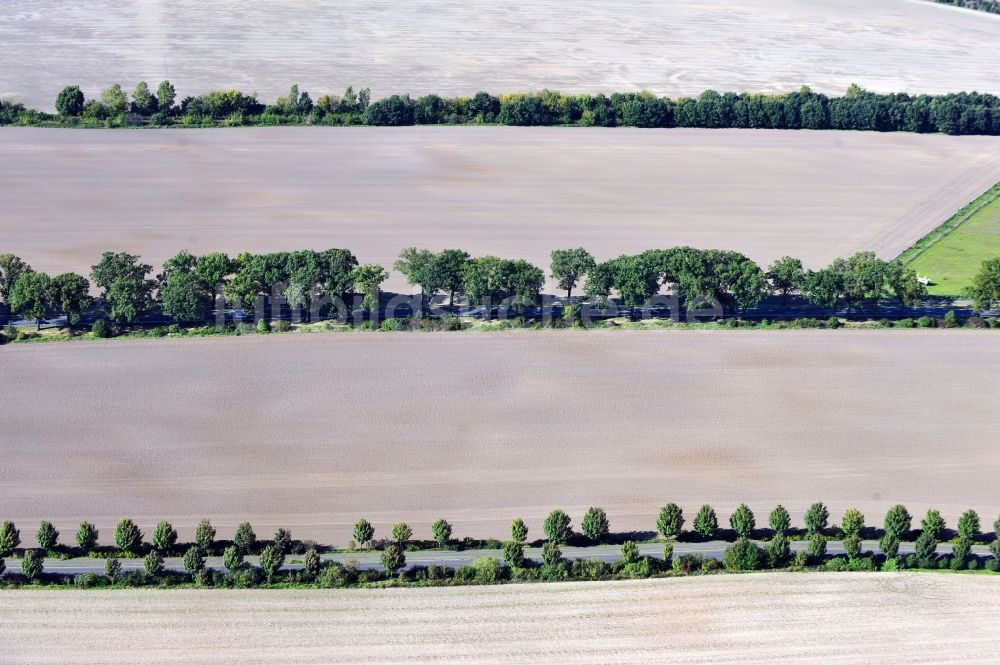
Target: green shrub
[
  {"x": 905, "y": 323},
  {"x": 630, "y": 551},
  {"x": 889, "y": 545},
  {"x": 87, "y": 580},
  {"x": 487, "y": 570},
  {"x": 668, "y": 553},
  {"x": 926, "y": 322},
  {"x": 311, "y": 562},
  {"x": 513, "y": 554},
  {"x": 926, "y": 546},
  {"x": 392, "y": 559},
  {"x": 852, "y": 546},
  {"x": 743, "y": 555},
  {"x": 833, "y": 323},
  {"x": 950, "y": 319},
  {"x": 153, "y": 564},
  {"x": 32, "y": 564},
  {"x": 112, "y": 569},
  {"x": 232, "y": 558},
  {"x": 263, "y": 327},
  {"x": 836, "y": 565},
  {"x": 100, "y": 329},
  {"x": 778, "y": 551},
  {"x": 993, "y": 565},
  {"x": 333, "y": 575},
  {"x": 641, "y": 568},
  {"x": 551, "y": 554},
  {"x": 801, "y": 559},
  {"x": 817, "y": 545},
  {"x": 194, "y": 561}
]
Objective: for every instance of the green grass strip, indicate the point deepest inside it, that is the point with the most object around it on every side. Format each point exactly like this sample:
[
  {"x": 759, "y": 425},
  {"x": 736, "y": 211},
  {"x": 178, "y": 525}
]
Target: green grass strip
[{"x": 950, "y": 225}]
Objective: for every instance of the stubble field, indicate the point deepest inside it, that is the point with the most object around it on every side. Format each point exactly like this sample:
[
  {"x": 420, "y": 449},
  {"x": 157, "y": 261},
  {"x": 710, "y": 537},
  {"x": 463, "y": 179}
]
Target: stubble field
[
  {"x": 680, "y": 47},
  {"x": 520, "y": 193},
  {"x": 773, "y": 618},
  {"x": 314, "y": 431}
]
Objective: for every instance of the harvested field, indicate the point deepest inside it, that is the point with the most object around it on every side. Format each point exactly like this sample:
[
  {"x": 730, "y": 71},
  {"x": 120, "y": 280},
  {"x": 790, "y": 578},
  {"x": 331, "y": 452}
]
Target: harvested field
[
  {"x": 679, "y": 47},
  {"x": 69, "y": 195},
  {"x": 314, "y": 431},
  {"x": 766, "y": 618}
]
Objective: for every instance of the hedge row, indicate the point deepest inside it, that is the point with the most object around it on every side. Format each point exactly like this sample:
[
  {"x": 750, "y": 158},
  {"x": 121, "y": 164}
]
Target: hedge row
[{"x": 857, "y": 109}]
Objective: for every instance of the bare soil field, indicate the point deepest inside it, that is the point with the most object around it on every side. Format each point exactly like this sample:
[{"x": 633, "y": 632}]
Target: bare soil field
[
  {"x": 766, "y": 618},
  {"x": 69, "y": 195},
  {"x": 314, "y": 431},
  {"x": 680, "y": 47}
]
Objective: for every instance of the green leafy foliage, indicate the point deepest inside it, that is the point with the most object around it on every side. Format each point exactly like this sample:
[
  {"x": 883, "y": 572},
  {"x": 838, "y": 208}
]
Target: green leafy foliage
[
  {"x": 86, "y": 536},
  {"x": 852, "y": 522},
  {"x": 392, "y": 558},
  {"x": 128, "y": 537},
  {"x": 706, "y": 522},
  {"x": 933, "y": 524},
  {"x": 595, "y": 524},
  {"x": 897, "y": 521},
  {"x": 743, "y": 555},
  {"x": 47, "y": 536},
  {"x": 164, "y": 536},
  {"x": 204, "y": 536},
  {"x": 630, "y": 551},
  {"x": 401, "y": 532},
  {"x": 558, "y": 527},
  {"x": 442, "y": 532},
  {"x": 363, "y": 532},
  {"x": 10, "y": 538},
  {"x": 742, "y": 521},
  {"x": 779, "y": 519},
  {"x": 153, "y": 564},
  {"x": 670, "y": 521},
  {"x": 817, "y": 517},
  {"x": 245, "y": 539},
  {"x": 518, "y": 531}
]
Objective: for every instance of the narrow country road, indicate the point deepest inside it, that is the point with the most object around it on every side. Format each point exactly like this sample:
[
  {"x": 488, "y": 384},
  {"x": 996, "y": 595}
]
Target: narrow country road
[{"x": 369, "y": 560}]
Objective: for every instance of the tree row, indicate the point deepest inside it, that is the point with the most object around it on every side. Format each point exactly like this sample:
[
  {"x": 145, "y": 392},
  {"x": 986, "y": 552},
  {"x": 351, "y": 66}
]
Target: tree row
[
  {"x": 857, "y": 109},
  {"x": 742, "y": 555},
  {"x": 188, "y": 288}
]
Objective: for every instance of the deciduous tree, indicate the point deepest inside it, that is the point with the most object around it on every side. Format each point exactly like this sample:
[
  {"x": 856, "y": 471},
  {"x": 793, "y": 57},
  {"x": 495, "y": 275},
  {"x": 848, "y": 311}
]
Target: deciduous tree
[
  {"x": 670, "y": 521},
  {"x": 558, "y": 527},
  {"x": 569, "y": 266},
  {"x": 595, "y": 524}
]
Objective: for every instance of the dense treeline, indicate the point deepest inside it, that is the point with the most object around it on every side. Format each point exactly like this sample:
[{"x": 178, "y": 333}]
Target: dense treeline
[
  {"x": 327, "y": 283},
  {"x": 333, "y": 284},
  {"x": 858, "y": 109},
  {"x": 744, "y": 554}
]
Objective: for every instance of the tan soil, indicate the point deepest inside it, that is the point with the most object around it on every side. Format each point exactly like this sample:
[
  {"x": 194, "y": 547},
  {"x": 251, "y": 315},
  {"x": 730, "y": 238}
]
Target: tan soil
[
  {"x": 69, "y": 195},
  {"x": 314, "y": 431},
  {"x": 680, "y": 47},
  {"x": 765, "y": 618}
]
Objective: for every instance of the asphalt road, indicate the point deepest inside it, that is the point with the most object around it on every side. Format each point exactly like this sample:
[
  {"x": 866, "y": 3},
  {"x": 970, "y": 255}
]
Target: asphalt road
[{"x": 369, "y": 560}]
